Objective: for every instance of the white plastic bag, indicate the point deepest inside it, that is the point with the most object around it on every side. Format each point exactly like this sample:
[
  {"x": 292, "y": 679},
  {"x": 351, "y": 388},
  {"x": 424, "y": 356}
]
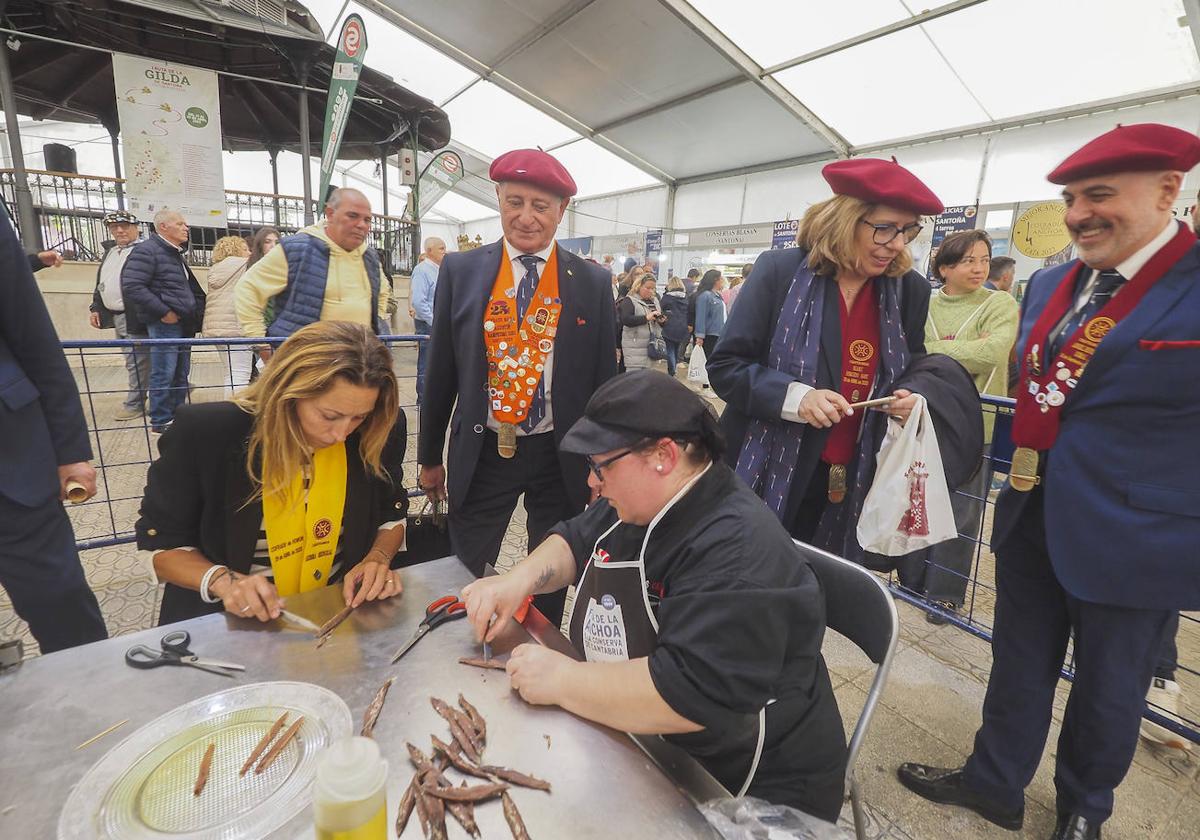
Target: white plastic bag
[
  {"x": 697, "y": 371},
  {"x": 908, "y": 505}
]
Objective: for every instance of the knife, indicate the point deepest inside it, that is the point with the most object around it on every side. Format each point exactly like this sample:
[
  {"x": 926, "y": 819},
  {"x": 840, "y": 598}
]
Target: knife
[{"x": 299, "y": 621}]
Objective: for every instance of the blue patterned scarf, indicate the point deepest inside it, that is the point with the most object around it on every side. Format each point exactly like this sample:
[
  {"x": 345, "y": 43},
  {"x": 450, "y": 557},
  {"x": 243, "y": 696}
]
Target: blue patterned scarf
[{"x": 769, "y": 453}]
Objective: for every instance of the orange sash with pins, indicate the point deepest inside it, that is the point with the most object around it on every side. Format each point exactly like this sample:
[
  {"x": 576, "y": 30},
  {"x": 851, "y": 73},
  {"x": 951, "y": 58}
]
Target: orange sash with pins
[{"x": 517, "y": 349}]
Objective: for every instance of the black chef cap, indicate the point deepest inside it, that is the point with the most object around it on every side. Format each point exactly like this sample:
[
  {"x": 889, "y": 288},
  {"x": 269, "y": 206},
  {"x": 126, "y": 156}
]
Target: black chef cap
[{"x": 644, "y": 405}]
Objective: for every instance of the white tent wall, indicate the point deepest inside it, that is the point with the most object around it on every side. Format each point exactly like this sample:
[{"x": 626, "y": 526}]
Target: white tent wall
[{"x": 445, "y": 231}]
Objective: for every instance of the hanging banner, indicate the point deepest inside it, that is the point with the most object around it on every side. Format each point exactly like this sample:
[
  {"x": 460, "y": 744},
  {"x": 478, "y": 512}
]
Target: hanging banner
[
  {"x": 784, "y": 235},
  {"x": 438, "y": 178},
  {"x": 343, "y": 81},
  {"x": 654, "y": 248},
  {"x": 170, "y": 116},
  {"x": 580, "y": 246},
  {"x": 730, "y": 237},
  {"x": 951, "y": 220}
]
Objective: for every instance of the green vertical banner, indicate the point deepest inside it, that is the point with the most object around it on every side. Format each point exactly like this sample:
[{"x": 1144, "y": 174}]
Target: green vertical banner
[
  {"x": 438, "y": 178},
  {"x": 352, "y": 48}
]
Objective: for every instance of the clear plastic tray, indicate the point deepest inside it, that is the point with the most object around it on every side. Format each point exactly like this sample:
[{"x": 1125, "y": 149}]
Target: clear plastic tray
[{"x": 142, "y": 788}]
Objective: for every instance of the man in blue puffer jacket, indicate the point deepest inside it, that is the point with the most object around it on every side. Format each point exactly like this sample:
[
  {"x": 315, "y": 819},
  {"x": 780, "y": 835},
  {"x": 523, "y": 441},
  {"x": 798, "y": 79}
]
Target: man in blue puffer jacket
[{"x": 160, "y": 288}]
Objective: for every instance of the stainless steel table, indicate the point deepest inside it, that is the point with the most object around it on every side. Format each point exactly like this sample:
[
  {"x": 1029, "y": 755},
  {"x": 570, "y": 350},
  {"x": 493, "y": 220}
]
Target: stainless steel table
[{"x": 604, "y": 785}]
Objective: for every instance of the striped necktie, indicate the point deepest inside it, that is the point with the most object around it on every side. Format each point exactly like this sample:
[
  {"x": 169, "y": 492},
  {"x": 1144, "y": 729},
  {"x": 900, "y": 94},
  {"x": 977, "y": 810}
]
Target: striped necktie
[
  {"x": 525, "y": 290},
  {"x": 1107, "y": 284},
  {"x": 528, "y": 284}
]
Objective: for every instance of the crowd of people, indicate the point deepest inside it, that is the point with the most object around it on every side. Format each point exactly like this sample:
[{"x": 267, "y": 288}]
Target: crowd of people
[{"x": 695, "y": 615}]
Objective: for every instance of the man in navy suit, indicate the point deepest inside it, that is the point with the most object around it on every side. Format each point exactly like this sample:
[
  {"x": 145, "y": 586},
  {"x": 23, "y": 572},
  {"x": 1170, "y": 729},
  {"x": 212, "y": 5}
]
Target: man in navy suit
[
  {"x": 521, "y": 348},
  {"x": 1096, "y": 534},
  {"x": 43, "y": 446}
]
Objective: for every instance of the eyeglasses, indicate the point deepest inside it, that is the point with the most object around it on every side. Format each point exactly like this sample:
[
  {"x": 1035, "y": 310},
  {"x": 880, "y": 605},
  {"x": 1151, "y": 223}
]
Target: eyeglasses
[
  {"x": 887, "y": 232},
  {"x": 595, "y": 466}
]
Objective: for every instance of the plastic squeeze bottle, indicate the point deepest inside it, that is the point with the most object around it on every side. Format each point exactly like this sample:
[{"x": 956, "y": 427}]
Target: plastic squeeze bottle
[{"x": 350, "y": 791}]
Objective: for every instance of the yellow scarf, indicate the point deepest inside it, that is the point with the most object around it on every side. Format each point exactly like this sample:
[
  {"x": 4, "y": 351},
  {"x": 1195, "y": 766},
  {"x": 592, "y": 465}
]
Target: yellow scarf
[{"x": 302, "y": 532}]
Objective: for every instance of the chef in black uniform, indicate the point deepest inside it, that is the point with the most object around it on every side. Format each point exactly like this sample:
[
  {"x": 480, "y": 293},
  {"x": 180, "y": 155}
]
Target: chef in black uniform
[{"x": 697, "y": 617}]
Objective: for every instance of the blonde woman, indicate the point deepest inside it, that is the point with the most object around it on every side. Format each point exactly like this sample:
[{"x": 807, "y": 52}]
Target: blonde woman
[
  {"x": 229, "y": 259},
  {"x": 293, "y": 486},
  {"x": 822, "y": 326}
]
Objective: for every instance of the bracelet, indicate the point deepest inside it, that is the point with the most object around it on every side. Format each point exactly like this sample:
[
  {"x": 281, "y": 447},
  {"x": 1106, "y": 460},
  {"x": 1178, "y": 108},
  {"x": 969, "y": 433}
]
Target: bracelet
[
  {"x": 385, "y": 560},
  {"x": 208, "y": 578}
]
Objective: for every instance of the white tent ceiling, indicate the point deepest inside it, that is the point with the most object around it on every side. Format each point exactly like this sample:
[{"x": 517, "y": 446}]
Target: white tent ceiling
[{"x": 630, "y": 93}]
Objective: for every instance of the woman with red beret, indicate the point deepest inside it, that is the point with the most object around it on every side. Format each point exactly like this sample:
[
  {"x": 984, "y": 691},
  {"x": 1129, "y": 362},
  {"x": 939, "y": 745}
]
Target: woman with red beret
[{"x": 817, "y": 328}]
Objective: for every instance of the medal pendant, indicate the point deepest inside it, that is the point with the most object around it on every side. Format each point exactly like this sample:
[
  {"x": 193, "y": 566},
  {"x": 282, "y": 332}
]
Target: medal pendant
[
  {"x": 837, "y": 483},
  {"x": 1023, "y": 475},
  {"x": 506, "y": 440}
]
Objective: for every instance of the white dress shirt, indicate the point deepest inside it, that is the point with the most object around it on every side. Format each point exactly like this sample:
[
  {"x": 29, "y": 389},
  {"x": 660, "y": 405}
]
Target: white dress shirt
[
  {"x": 518, "y": 271},
  {"x": 110, "y": 276}
]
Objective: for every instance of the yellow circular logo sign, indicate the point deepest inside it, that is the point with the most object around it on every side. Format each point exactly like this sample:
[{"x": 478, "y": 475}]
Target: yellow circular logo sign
[
  {"x": 861, "y": 351},
  {"x": 1040, "y": 231},
  {"x": 1097, "y": 328}
]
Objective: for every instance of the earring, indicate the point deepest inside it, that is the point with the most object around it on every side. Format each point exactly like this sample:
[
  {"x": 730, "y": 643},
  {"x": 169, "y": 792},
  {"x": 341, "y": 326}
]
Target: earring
[{"x": 659, "y": 468}]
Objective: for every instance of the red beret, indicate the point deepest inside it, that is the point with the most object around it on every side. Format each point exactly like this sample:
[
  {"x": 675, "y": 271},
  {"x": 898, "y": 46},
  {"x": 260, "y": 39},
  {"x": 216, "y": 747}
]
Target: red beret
[
  {"x": 533, "y": 166},
  {"x": 1147, "y": 147},
  {"x": 882, "y": 182}
]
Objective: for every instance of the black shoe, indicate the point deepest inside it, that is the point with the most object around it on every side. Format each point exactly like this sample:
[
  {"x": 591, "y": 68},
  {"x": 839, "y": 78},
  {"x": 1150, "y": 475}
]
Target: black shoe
[
  {"x": 945, "y": 785},
  {"x": 1075, "y": 827},
  {"x": 937, "y": 618}
]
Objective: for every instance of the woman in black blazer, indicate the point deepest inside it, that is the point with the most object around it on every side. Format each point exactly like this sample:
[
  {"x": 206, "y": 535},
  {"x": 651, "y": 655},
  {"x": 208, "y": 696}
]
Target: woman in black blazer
[{"x": 328, "y": 390}]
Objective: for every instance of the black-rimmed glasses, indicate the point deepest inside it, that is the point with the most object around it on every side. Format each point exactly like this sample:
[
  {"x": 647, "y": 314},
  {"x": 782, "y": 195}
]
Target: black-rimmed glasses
[
  {"x": 885, "y": 233},
  {"x": 595, "y": 466}
]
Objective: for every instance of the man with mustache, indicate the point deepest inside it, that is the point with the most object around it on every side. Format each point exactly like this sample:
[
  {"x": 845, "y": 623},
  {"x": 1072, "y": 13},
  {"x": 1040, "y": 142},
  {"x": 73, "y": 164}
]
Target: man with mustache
[
  {"x": 1095, "y": 535},
  {"x": 523, "y": 333}
]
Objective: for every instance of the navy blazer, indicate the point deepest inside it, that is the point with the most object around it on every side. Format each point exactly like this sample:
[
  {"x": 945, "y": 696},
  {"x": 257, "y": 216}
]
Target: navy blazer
[
  {"x": 1122, "y": 483},
  {"x": 585, "y": 356},
  {"x": 41, "y": 419},
  {"x": 738, "y": 367}
]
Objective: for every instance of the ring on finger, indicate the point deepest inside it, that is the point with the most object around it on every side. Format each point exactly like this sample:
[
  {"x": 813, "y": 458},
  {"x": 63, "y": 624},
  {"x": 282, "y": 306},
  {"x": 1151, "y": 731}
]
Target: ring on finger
[{"x": 246, "y": 608}]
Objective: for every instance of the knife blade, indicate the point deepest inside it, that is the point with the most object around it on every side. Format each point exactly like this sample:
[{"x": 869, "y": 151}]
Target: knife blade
[{"x": 299, "y": 621}]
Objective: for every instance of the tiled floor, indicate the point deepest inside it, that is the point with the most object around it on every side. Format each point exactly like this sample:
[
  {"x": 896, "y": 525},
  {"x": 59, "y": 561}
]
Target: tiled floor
[{"x": 929, "y": 710}]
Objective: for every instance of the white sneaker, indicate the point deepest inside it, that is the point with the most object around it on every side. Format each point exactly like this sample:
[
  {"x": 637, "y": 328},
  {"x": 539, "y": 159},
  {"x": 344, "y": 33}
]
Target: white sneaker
[{"x": 1163, "y": 697}]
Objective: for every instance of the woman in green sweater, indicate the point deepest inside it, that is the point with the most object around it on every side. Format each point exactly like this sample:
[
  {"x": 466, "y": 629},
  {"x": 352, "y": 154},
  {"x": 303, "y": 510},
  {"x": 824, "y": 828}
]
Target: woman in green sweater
[{"x": 977, "y": 327}]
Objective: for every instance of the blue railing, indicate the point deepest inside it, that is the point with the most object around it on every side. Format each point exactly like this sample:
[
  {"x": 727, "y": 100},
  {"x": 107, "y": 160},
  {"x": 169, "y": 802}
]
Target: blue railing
[
  {"x": 123, "y": 452},
  {"x": 975, "y": 615}
]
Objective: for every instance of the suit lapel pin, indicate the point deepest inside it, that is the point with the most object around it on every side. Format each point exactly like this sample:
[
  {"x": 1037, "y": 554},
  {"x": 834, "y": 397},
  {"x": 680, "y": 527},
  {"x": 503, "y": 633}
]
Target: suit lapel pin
[{"x": 580, "y": 321}]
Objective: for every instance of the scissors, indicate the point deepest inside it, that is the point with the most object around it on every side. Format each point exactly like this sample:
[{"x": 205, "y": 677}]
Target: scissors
[
  {"x": 174, "y": 650},
  {"x": 439, "y": 612}
]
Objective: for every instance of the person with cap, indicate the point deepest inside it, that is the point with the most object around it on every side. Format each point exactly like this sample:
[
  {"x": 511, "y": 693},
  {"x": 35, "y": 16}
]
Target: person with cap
[
  {"x": 108, "y": 309},
  {"x": 523, "y": 334},
  {"x": 1095, "y": 534},
  {"x": 833, "y": 322},
  {"x": 697, "y": 617}
]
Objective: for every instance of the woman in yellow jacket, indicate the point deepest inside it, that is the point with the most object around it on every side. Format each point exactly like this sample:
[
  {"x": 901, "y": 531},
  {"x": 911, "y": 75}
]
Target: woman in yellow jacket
[{"x": 977, "y": 327}]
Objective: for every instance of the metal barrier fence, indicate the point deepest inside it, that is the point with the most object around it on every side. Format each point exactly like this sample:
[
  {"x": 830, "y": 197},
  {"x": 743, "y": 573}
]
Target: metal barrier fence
[
  {"x": 978, "y": 582},
  {"x": 123, "y": 452},
  {"x": 69, "y": 209}
]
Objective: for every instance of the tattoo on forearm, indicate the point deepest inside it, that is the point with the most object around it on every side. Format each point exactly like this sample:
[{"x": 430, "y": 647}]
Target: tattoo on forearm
[{"x": 543, "y": 578}]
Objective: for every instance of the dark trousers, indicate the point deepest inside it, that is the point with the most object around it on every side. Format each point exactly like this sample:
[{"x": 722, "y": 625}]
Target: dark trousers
[
  {"x": 478, "y": 523},
  {"x": 1168, "y": 653},
  {"x": 1115, "y": 653},
  {"x": 170, "y": 365},
  {"x": 672, "y": 356},
  {"x": 40, "y": 571},
  {"x": 421, "y": 328}
]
